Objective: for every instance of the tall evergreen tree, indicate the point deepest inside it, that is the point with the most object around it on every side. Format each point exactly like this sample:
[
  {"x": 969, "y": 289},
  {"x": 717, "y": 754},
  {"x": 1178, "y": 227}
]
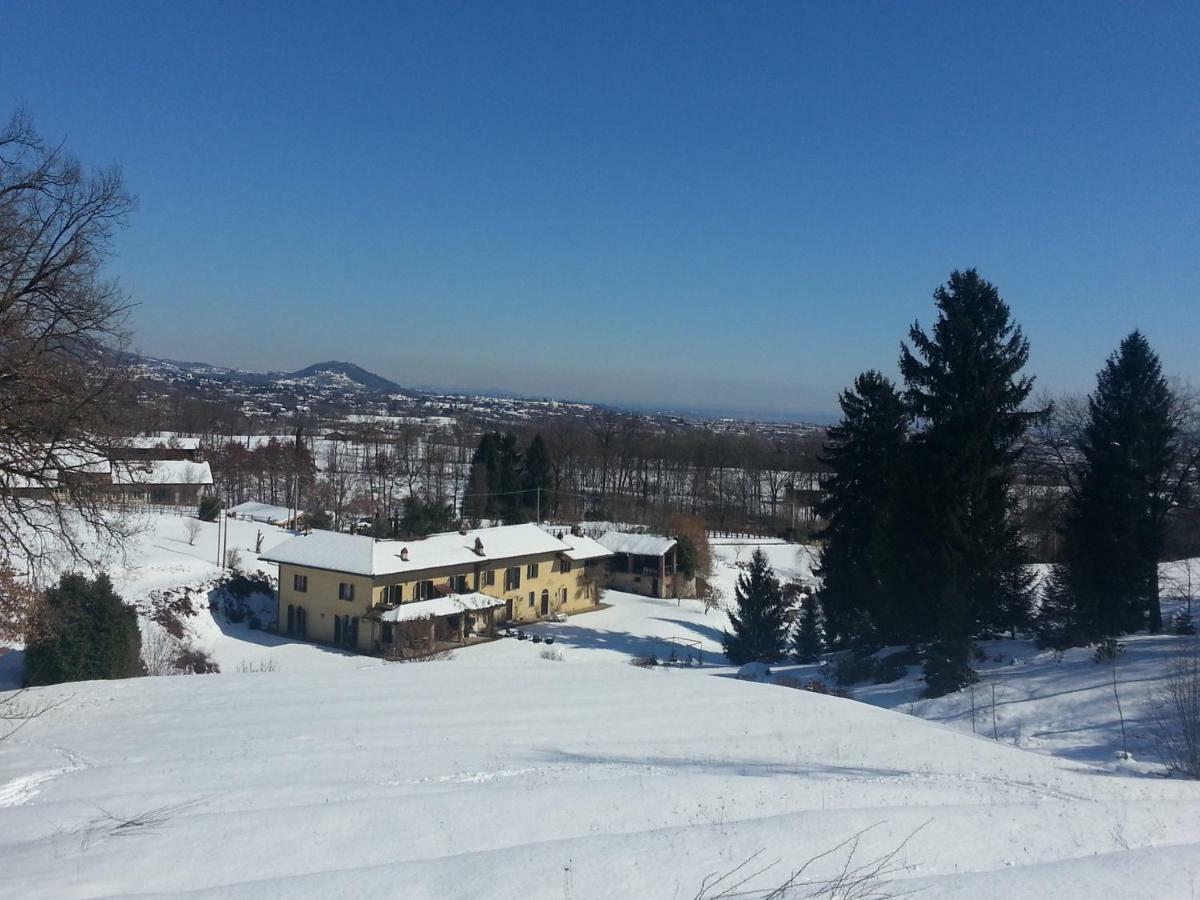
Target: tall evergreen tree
[
  {"x": 83, "y": 631},
  {"x": 537, "y": 475},
  {"x": 510, "y": 502},
  {"x": 496, "y": 478},
  {"x": 1128, "y": 482},
  {"x": 761, "y": 622},
  {"x": 485, "y": 467},
  {"x": 963, "y": 385},
  {"x": 809, "y": 642},
  {"x": 864, "y": 454}
]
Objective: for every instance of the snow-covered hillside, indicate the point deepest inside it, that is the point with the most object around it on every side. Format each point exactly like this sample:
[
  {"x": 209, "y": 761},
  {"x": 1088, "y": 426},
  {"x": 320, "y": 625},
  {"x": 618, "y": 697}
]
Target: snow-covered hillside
[
  {"x": 504, "y": 773},
  {"x": 527, "y": 777}
]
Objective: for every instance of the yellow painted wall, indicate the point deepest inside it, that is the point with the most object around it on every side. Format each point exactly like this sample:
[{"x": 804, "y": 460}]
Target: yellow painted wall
[{"x": 321, "y": 602}]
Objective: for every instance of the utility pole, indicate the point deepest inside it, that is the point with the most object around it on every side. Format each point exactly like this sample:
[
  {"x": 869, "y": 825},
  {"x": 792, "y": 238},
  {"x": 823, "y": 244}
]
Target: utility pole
[
  {"x": 539, "y": 506},
  {"x": 296, "y": 475}
]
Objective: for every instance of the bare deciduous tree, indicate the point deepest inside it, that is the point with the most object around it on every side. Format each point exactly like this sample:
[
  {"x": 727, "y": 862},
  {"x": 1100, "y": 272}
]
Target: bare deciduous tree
[
  {"x": 61, "y": 330},
  {"x": 192, "y": 527},
  {"x": 159, "y": 652},
  {"x": 1175, "y": 711}
]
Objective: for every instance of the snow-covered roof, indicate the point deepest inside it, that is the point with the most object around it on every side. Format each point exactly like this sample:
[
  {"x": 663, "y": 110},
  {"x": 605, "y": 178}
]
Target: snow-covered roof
[
  {"x": 142, "y": 442},
  {"x": 450, "y": 605},
  {"x": 637, "y": 544},
  {"x": 363, "y": 555},
  {"x": 584, "y": 547},
  {"x": 261, "y": 512},
  {"x": 162, "y": 471}
]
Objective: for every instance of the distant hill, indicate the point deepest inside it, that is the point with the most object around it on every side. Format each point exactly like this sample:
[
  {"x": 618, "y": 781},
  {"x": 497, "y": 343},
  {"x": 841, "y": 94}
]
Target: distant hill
[
  {"x": 332, "y": 374},
  {"x": 357, "y": 374}
]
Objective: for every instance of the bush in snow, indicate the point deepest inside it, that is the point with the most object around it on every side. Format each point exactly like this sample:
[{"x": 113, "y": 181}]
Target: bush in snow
[
  {"x": 83, "y": 631},
  {"x": 209, "y": 508},
  {"x": 890, "y": 668},
  {"x": 851, "y": 667},
  {"x": 192, "y": 527},
  {"x": 644, "y": 662},
  {"x": 196, "y": 662},
  {"x": 159, "y": 650},
  {"x": 552, "y": 653},
  {"x": 855, "y": 666},
  {"x": 266, "y": 665},
  {"x": 1108, "y": 650},
  {"x": 1182, "y": 624},
  {"x": 1176, "y": 712},
  {"x": 947, "y": 669}
]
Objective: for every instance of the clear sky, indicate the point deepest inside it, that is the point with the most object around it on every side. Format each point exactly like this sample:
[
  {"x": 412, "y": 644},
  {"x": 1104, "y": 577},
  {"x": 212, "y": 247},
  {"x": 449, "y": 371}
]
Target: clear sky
[{"x": 735, "y": 205}]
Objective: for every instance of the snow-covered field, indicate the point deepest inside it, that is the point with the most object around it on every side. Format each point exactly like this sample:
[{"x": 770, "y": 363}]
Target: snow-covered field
[{"x": 501, "y": 773}]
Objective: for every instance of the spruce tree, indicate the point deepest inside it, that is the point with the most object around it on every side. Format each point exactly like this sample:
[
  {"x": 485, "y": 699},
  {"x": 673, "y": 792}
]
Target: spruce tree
[
  {"x": 809, "y": 643},
  {"x": 480, "y": 502},
  {"x": 1128, "y": 482},
  {"x": 864, "y": 455},
  {"x": 761, "y": 622},
  {"x": 510, "y": 500},
  {"x": 83, "y": 631},
  {"x": 1058, "y": 622},
  {"x": 964, "y": 387},
  {"x": 496, "y": 479},
  {"x": 537, "y": 475}
]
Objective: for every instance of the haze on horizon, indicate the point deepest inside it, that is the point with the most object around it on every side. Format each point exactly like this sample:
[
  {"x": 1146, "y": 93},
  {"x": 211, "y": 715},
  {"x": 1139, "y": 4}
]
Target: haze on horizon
[{"x": 719, "y": 206}]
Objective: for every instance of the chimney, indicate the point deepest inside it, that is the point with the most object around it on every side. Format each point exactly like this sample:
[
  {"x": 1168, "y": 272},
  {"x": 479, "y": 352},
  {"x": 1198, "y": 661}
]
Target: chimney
[
  {"x": 479, "y": 546},
  {"x": 403, "y": 554}
]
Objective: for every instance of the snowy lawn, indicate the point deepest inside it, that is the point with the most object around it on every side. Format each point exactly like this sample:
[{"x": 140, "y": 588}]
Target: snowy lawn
[{"x": 526, "y": 777}]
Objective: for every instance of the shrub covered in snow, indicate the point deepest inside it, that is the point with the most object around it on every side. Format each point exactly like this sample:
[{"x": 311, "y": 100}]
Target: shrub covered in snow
[{"x": 754, "y": 671}]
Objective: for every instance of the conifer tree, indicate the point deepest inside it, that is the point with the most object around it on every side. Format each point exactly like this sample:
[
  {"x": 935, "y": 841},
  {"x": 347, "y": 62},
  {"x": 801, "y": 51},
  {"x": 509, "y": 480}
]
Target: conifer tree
[
  {"x": 865, "y": 454},
  {"x": 809, "y": 643},
  {"x": 964, "y": 387},
  {"x": 537, "y": 474},
  {"x": 761, "y": 621},
  {"x": 82, "y": 631},
  {"x": 1058, "y": 621},
  {"x": 1128, "y": 482},
  {"x": 496, "y": 478}
]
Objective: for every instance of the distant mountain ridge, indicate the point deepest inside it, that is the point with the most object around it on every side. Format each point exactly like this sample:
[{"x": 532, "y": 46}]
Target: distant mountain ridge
[{"x": 330, "y": 373}]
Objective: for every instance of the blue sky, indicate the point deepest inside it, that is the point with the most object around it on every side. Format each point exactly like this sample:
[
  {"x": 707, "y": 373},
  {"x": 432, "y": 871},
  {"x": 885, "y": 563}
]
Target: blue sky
[{"x": 729, "y": 205}]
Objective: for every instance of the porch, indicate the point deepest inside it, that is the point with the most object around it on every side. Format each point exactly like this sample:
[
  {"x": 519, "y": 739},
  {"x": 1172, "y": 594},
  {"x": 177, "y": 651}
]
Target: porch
[{"x": 425, "y": 627}]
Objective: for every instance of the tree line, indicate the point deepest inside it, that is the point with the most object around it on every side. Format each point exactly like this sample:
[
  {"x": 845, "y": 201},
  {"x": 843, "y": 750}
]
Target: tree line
[{"x": 922, "y": 543}]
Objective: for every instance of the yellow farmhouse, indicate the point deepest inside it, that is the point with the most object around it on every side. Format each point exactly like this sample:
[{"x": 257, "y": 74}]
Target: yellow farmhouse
[{"x": 354, "y": 591}]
